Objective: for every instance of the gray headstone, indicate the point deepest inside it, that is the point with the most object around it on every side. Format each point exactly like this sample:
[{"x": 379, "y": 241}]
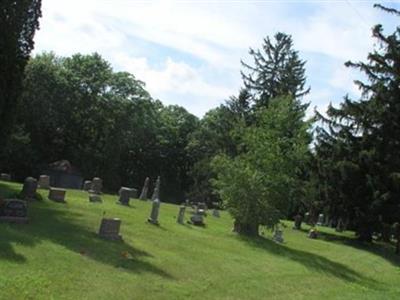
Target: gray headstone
[
  {"x": 321, "y": 219},
  {"x": 13, "y": 211},
  {"x": 57, "y": 194},
  {"x": 124, "y": 195},
  {"x": 145, "y": 189},
  {"x": 97, "y": 185},
  {"x": 215, "y": 213},
  {"x": 313, "y": 234},
  {"x": 155, "y": 208},
  {"x": 5, "y": 177},
  {"x": 197, "y": 219},
  {"x": 87, "y": 185},
  {"x": 109, "y": 229},
  {"x": 181, "y": 214},
  {"x": 29, "y": 189},
  {"x": 44, "y": 182},
  {"x": 156, "y": 192},
  {"x": 95, "y": 198},
  {"x": 278, "y": 236}
]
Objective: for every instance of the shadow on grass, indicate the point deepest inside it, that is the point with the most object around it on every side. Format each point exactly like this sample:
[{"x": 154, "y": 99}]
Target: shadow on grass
[
  {"x": 48, "y": 222},
  {"x": 384, "y": 250},
  {"x": 311, "y": 261}
]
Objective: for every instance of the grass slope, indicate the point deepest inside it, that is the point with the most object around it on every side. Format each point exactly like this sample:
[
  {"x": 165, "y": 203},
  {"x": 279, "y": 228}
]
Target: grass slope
[{"x": 59, "y": 256}]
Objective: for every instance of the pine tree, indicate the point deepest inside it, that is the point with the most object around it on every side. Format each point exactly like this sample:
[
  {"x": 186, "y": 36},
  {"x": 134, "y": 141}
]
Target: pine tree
[
  {"x": 277, "y": 71},
  {"x": 359, "y": 148}
]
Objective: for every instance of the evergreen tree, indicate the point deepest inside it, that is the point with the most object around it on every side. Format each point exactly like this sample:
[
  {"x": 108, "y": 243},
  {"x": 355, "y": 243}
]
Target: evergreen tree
[
  {"x": 277, "y": 71},
  {"x": 360, "y": 144}
]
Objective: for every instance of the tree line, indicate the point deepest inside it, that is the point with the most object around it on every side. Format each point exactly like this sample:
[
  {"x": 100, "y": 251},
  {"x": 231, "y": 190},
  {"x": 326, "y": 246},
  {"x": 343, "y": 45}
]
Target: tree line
[{"x": 256, "y": 154}]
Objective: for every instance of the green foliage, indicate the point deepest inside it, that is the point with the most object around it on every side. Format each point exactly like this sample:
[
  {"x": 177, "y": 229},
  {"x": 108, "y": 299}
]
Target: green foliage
[
  {"x": 277, "y": 71},
  {"x": 259, "y": 184},
  {"x": 357, "y": 150},
  {"x": 18, "y": 23},
  {"x": 104, "y": 122}
]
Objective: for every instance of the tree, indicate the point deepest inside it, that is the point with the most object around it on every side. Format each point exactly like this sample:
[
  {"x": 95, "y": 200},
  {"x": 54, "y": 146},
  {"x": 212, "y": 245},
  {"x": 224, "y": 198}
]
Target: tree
[
  {"x": 359, "y": 145},
  {"x": 18, "y": 23},
  {"x": 277, "y": 71},
  {"x": 258, "y": 184}
]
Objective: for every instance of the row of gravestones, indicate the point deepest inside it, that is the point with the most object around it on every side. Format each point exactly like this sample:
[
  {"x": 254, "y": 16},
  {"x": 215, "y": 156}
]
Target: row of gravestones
[{"x": 110, "y": 227}]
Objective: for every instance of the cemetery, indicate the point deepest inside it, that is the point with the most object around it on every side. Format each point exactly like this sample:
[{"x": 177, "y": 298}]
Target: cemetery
[
  {"x": 199, "y": 150},
  {"x": 113, "y": 252}
]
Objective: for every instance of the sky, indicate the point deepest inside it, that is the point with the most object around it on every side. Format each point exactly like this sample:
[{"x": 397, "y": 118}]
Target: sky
[{"x": 188, "y": 52}]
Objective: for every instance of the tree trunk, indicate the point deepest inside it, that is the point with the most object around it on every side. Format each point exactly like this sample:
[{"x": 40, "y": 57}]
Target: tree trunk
[{"x": 245, "y": 229}]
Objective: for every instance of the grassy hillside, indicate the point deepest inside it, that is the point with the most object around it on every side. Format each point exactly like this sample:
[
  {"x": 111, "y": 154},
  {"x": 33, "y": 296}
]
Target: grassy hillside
[{"x": 59, "y": 256}]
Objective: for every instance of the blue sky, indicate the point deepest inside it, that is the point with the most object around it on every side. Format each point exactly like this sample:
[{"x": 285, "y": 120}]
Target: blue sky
[{"x": 188, "y": 52}]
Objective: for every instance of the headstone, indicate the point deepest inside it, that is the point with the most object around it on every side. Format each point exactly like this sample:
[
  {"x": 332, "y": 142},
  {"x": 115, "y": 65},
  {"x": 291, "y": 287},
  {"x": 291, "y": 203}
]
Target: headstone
[
  {"x": 200, "y": 209},
  {"x": 13, "y": 211},
  {"x": 181, "y": 214},
  {"x": 87, "y": 185},
  {"x": 313, "y": 233},
  {"x": 29, "y": 189},
  {"x": 298, "y": 219},
  {"x": 154, "y": 212},
  {"x": 156, "y": 192},
  {"x": 215, "y": 213},
  {"x": 109, "y": 229},
  {"x": 307, "y": 218},
  {"x": 57, "y": 194},
  {"x": 145, "y": 189},
  {"x": 133, "y": 193},
  {"x": 321, "y": 219},
  {"x": 44, "y": 182},
  {"x": 278, "y": 236},
  {"x": 95, "y": 198},
  {"x": 187, "y": 202},
  {"x": 340, "y": 225},
  {"x": 97, "y": 185},
  {"x": 5, "y": 177},
  {"x": 197, "y": 219},
  {"x": 124, "y": 195}
]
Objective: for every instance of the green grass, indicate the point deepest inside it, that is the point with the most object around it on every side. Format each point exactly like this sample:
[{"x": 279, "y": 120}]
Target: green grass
[{"x": 59, "y": 256}]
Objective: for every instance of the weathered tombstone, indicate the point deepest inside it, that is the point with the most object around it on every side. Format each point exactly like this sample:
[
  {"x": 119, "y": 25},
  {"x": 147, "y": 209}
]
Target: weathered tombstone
[
  {"x": 87, "y": 185},
  {"x": 57, "y": 194},
  {"x": 155, "y": 208},
  {"x": 321, "y": 219},
  {"x": 307, "y": 218},
  {"x": 13, "y": 211},
  {"x": 124, "y": 195},
  {"x": 201, "y": 208},
  {"x": 44, "y": 182},
  {"x": 29, "y": 189},
  {"x": 109, "y": 229},
  {"x": 145, "y": 189},
  {"x": 215, "y": 213},
  {"x": 278, "y": 236},
  {"x": 156, "y": 192},
  {"x": 313, "y": 233},
  {"x": 340, "y": 225},
  {"x": 133, "y": 193},
  {"x": 95, "y": 198},
  {"x": 97, "y": 185},
  {"x": 298, "y": 219},
  {"x": 181, "y": 214},
  {"x": 5, "y": 177},
  {"x": 197, "y": 219},
  {"x": 187, "y": 202}
]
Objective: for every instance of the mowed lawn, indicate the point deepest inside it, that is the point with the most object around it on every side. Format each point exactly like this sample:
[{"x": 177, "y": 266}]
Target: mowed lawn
[{"x": 59, "y": 256}]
